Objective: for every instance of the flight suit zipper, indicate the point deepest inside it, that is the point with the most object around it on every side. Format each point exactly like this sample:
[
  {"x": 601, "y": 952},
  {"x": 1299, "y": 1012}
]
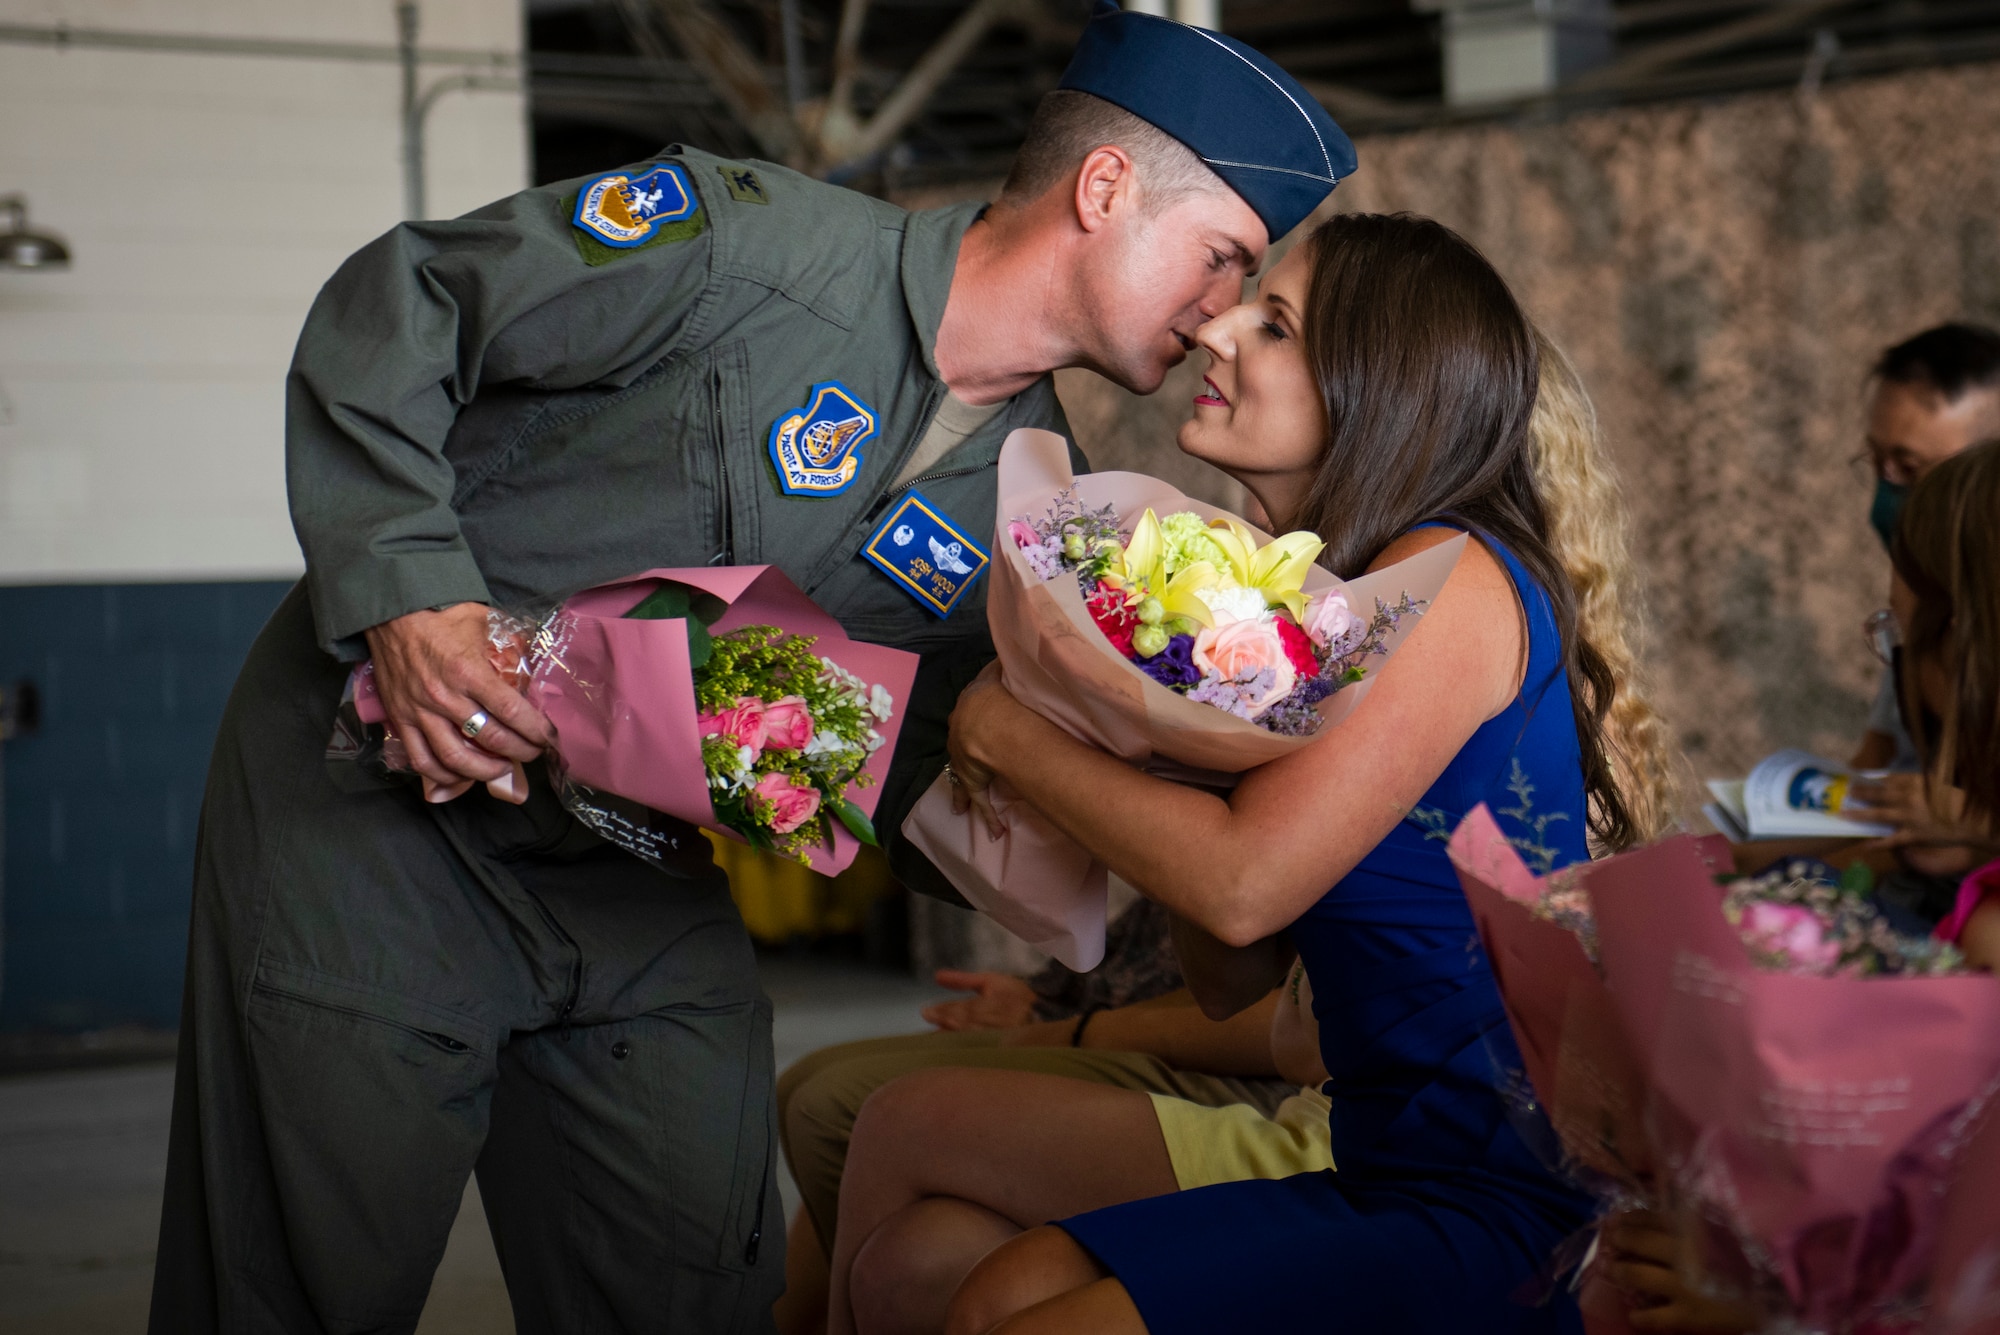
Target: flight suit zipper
[
  {"x": 915, "y": 482},
  {"x": 756, "y": 1242}
]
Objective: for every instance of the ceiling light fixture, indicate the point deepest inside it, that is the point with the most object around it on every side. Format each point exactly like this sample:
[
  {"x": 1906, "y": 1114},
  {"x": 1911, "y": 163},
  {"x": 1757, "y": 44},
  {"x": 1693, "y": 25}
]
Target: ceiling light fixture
[{"x": 26, "y": 250}]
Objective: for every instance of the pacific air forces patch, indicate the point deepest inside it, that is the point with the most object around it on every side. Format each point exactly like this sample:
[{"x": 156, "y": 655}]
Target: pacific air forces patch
[
  {"x": 817, "y": 447},
  {"x": 625, "y": 212}
]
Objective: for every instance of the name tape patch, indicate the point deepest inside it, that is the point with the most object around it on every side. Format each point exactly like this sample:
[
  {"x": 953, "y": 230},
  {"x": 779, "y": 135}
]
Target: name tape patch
[
  {"x": 624, "y": 212},
  {"x": 919, "y": 548},
  {"x": 817, "y": 447}
]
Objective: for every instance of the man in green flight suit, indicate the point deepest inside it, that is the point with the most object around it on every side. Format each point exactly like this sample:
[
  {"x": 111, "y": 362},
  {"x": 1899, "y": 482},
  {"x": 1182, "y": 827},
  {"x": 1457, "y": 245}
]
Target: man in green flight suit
[{"x": 575, "y": 383}]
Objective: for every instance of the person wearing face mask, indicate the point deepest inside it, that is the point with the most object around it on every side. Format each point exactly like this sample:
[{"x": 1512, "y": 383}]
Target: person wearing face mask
[{"x": 1932, "y": 396}]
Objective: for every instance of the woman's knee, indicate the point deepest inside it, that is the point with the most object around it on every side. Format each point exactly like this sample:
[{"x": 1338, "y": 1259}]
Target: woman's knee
[{"x": 1040, "y": 1264}]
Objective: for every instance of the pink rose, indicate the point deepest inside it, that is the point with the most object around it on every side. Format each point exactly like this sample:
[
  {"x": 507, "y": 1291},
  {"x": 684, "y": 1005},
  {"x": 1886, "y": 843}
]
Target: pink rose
[
  {"x": 1022, "y": 535},
  {"x": 1329, "y": 619},
  {"x": 787, "y": 805},
  {"x": 1792, "y": 931},
  {"x": 788, "y": 724},
  {"x": 742, "y": 723},
  {"x": 1238, "y": 649}
]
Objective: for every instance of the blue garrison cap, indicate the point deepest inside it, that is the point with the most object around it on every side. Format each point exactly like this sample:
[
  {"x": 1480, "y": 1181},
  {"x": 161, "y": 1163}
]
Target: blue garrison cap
[{"x": 1247, "y": 119}]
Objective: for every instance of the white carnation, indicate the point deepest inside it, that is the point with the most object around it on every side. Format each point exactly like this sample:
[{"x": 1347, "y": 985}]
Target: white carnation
[{"x": 1232, "y": 602}]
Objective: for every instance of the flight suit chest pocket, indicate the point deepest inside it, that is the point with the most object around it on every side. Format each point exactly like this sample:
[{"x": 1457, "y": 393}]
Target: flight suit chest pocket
[{"x": 604, "y": 483}]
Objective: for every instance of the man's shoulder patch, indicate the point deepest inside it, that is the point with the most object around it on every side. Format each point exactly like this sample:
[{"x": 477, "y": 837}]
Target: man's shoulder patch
[
  {"x": 617, "y": 212},
  {"x": 743, "y": 184}
]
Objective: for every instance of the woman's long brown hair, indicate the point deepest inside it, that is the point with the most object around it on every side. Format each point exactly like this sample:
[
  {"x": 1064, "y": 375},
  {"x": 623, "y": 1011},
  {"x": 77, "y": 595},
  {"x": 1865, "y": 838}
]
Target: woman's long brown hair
[
  {"x": 1427, "y": 369},
  {"x": 1948, "y": 551}
]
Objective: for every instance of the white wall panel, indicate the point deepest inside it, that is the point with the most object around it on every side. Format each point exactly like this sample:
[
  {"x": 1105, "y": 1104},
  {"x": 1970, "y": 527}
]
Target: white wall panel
[{"x": 204, "y": 198}]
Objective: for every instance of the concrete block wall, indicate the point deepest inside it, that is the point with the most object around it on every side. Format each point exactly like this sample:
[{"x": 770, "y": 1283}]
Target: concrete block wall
[{"x": 143, "y": 530}]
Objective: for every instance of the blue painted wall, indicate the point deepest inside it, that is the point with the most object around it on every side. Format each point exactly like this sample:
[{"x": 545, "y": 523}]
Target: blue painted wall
[{"x": 101, "y": 801}]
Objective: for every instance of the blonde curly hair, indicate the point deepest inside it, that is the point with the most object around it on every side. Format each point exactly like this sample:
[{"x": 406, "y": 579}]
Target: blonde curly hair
[{"x": 1586, "y": 516}]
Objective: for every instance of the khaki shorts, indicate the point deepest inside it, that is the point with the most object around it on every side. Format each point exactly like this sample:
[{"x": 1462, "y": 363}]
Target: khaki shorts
[{"x": 820, "y": 1095}]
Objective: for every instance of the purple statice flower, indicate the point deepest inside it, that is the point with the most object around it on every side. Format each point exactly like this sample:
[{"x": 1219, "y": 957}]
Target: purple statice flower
[
  {"x": 1234, "y": 695},
  {"x": 1294, "y": 716},
  {"x": 1174, "y": 665},
  {"x": 1213, "y": 690}
]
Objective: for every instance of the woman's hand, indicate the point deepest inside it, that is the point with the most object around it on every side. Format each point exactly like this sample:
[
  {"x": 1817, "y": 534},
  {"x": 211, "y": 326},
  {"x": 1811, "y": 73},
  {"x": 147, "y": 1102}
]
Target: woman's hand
[{"x": 980, "y": 721}]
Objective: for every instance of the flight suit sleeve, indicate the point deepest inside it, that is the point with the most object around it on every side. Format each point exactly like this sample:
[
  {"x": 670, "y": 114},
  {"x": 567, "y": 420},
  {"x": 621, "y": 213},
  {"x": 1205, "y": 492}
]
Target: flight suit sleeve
[{"x": 403, "y": 336}]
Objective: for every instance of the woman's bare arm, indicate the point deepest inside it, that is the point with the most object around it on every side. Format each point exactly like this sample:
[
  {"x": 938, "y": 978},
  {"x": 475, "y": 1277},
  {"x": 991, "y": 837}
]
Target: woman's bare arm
[{"x": 1244, "y": 867}]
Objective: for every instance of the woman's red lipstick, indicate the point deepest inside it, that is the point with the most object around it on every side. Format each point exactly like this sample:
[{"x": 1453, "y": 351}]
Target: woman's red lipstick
[{"x": 1214, "y": 398}]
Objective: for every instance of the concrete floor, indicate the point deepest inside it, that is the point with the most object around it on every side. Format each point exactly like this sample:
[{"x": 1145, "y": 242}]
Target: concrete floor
[{"x": 83, "y": 1154}]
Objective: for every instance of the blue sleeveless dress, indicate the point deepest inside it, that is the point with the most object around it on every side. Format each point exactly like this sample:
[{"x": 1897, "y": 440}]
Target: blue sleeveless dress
[{"x": 1438, "y": 1217}]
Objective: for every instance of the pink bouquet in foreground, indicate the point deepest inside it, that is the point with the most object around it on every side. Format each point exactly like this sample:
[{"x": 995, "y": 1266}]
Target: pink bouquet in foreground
[
  {"x": 1795, "y": 1083},
  {"x": 719, "y": 696},
  {"x": 1059, "y": 658}
]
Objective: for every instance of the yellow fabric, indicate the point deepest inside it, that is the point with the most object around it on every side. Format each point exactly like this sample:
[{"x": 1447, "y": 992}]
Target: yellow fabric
[
  {"x": 781, "y": 899},
  {"x": 1236, "y": 1141}
]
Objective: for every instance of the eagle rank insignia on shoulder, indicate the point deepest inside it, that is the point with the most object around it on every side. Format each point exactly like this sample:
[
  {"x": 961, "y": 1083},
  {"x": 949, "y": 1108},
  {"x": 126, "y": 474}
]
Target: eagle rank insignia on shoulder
[
  {"x": 919, "y": 548},
  {"x": 625, "y": 212},
  {"x": 817, "y": 448}
]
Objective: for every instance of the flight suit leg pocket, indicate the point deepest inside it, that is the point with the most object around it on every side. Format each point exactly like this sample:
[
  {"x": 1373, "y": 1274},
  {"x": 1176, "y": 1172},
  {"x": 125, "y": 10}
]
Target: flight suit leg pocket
[
  {"x": 728, "y": 1218},
  {"x": 372, "y": 1112},
  {"x": 656, "y": 1205}
]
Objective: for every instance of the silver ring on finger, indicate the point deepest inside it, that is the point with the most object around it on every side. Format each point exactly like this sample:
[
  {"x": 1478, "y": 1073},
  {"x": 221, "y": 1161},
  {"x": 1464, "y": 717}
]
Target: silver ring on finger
[
  {"x": 475, "y": 725},
  {"x": 951, "y": 776}
]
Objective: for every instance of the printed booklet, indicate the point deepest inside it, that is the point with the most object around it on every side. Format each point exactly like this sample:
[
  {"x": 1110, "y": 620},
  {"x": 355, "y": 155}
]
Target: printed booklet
[{"x": 1791, "y": 795}]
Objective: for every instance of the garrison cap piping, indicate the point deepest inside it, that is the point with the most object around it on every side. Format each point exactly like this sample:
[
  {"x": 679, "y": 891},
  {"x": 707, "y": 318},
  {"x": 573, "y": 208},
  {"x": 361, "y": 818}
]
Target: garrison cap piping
[{"x": 1324, "y": 155}]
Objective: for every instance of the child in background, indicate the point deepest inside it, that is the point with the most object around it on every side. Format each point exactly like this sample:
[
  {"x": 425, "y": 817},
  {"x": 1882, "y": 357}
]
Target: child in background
[{"x": 1946, "y": 600}]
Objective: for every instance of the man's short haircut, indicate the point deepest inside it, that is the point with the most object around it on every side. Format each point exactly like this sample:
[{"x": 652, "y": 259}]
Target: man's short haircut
[
  {"x": 1950, "y": 359},
  {"x": 1069, "y": 124}
]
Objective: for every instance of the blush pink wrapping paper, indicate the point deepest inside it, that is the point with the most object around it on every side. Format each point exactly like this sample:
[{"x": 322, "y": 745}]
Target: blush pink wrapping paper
[
  {"x": 1821, "y": 1107},
  {"x": 621, "y": 693},
  {"x": 1826, "y": 1117},
  {"x": 1035, "y": 881},
  {"x": 1965, "y": 1296},
  {"x": 1576, "y": 1057}
]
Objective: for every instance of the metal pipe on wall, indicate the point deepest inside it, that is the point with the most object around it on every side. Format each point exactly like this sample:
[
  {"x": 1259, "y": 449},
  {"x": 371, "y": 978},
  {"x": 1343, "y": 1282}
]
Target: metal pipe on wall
[{"x": 413, "y": 130}]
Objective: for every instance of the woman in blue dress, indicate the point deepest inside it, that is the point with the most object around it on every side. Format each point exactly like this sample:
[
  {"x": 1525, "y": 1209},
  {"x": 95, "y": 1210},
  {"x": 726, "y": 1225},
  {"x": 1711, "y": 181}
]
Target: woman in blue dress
[{"x": 1378, "y": 391}]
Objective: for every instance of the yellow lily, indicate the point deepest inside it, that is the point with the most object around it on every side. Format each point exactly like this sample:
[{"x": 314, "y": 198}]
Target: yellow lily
[
  {"x": 1141, "y": 571},
  {"x": 1277, "y": 569}
]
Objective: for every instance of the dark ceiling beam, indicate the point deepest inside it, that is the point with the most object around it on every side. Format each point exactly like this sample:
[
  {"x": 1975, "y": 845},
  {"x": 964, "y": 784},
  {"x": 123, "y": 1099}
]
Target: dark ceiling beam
[
  {"x": 1655, "y": 57},
  {"x": 1334, "y": 55}
]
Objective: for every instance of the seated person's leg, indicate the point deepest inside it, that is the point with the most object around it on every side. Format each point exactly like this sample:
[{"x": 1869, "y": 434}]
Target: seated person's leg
[
  {"x": 1041, "y": 1283},
  {"x": 1047, "y": 1147},
  {"x": 819, "y": 1095},
  {"x": 816, "y": 1111}
]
